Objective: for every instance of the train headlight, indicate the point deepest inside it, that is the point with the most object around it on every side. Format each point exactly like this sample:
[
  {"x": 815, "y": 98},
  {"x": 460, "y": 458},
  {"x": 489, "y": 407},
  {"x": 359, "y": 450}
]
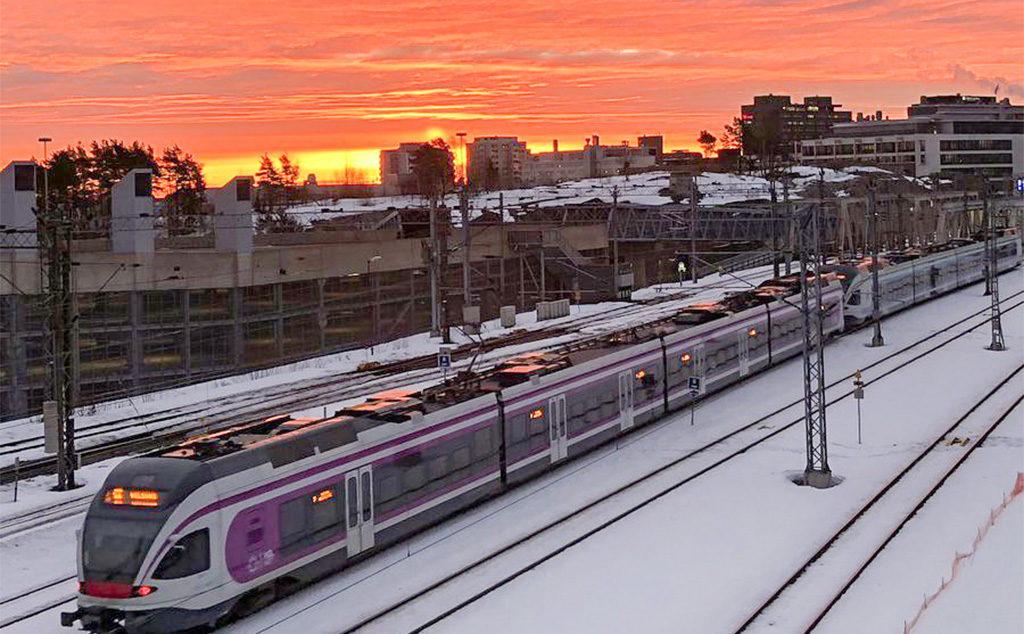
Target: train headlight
[
  {"x": 686, "y": 358},
  {"x": 752, "y": 332}
]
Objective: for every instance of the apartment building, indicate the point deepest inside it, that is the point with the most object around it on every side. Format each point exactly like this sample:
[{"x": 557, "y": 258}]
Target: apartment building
[
  {"x": 396, "y": 176},
  {"x": 789, "y": 122}
]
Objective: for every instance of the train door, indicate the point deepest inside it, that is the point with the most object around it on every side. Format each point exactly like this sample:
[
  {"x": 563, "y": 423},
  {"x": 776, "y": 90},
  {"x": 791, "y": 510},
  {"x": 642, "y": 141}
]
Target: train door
[
  {"x": 625, "y": 400},
  {"x": 743, "y": 347},
  {"x": 359, "y": 510},
  {"x": 700, "y": 366},
  {"x": 558, "y": 430}
]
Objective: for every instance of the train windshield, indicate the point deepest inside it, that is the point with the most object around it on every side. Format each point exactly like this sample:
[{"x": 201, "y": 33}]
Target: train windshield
[{"x": 113, "y": 549}]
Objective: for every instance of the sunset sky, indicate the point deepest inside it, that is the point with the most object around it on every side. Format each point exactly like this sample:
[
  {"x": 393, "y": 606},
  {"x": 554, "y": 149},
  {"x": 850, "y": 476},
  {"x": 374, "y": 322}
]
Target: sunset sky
[{"x": 331, "y": 82}]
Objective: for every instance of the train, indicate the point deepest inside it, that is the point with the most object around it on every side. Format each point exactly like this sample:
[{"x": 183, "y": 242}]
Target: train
[{"x": 221, "y": 524}]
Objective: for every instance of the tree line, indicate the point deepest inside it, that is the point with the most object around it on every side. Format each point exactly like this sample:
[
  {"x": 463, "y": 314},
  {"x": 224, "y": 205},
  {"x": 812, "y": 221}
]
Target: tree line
[{"x": 80, "y": 179}]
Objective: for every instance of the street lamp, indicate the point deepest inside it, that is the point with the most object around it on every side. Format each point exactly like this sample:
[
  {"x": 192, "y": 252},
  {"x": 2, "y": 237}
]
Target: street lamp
[
  {"x": 462, "y": 154},
  {"x": 46, "y": 175}
]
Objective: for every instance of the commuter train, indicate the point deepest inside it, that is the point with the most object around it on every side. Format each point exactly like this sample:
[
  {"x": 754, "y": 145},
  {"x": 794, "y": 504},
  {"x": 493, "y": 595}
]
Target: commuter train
[{"x": 221, "y": 524}]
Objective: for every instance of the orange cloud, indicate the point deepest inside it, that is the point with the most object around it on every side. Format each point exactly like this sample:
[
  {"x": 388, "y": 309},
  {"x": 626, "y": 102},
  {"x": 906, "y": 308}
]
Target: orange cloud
[{"x": 325, "y": 81}]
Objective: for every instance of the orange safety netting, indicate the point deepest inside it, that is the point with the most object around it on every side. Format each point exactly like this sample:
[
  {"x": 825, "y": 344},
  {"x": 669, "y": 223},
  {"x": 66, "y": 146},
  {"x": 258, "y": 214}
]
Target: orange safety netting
[{"x": 959, "y": 558}]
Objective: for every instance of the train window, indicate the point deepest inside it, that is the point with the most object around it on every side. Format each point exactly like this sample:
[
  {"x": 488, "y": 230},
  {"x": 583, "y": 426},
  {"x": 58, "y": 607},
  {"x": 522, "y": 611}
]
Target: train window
[
  {"x": 481, "y": 443},
  {"x": 324, "y": 514},
  {"x": 352, "y": 495},
  {"x": 438, "y": 468},
  {"x": 538, "y": 426},
  {"x": 293, "y": 521},
  {"x": 389, "y": 488},
  {"x": 190, "y": 555},
  {"x": 367, "y": 496},
  {"x": 518, "y": 428},
  {"x": 412, "y": 479},
  {"x": 460, "y": 458}
]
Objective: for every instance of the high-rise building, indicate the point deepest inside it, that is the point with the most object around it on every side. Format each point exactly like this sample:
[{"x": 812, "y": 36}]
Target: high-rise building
[
  {"x": 496, "y": 162},
  {"x": 777, "y": 118},
  {"x": 396, "y": 176}
]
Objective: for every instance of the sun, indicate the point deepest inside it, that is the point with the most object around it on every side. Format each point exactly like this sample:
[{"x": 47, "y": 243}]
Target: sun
[{"x": 435, "y": 132}]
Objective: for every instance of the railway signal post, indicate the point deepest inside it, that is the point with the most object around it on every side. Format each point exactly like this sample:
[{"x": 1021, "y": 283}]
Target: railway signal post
[{"x": 858, "y": 395}]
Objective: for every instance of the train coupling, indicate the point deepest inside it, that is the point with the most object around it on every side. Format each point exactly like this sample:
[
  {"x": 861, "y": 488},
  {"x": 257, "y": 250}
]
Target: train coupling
[
  {"x": 67, "y": 619},
  {"x": 101, "y": 621}
]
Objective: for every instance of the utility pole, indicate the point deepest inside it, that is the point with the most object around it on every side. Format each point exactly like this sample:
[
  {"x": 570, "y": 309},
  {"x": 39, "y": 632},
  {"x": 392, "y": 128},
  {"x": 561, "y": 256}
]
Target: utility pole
[
  {"x": 435, "y": 322},
  {"x": 788, "y": 252},
  {"x": 772, "y": 215},
  {"x": 993, "y": 272},
  {"x": 694, "y": 199},
  {"x": 876, "y": 313},
  {"x": 817, "y": 472},
  {"x": 504, "y": 240},
  {"x": 55, "y": 245},
  {"x": 986, "y": 233},
  {"x": 613, "y": 232},
  {"x": 464, "y": 215}
]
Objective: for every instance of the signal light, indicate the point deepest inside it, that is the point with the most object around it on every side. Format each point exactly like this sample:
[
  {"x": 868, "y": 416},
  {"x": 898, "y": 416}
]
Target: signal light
[
  {"x": 537, "y": 413},
  {"x": 143, "y": 591}
]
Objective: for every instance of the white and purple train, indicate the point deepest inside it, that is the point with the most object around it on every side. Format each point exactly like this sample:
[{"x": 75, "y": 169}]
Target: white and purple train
[{"x": 221, "y": 524}]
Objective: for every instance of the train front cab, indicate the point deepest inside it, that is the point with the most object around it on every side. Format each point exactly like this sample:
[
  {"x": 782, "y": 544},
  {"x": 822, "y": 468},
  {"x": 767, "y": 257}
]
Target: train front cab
[{"x": 134, "y": 574}]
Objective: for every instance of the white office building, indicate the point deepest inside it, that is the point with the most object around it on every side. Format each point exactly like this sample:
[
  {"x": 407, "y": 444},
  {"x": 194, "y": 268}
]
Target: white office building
[{"x": 948, "y": 135}]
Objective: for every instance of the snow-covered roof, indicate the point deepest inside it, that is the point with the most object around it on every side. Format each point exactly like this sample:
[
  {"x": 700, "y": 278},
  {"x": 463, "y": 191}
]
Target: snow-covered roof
[{"x": 648, "y": 189}]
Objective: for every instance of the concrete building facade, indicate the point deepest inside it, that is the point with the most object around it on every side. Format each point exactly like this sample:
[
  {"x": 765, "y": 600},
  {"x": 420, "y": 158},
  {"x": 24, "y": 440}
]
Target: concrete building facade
[
  {"x": 170, "y": 316},
  {"x": 17, "y": 204},
  {"x": 946, "y": 135}
]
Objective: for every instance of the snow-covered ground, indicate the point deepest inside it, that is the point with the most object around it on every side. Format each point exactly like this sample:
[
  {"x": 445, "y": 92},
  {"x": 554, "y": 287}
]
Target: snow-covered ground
[
  {"x": 703, "y": 557},
  {"x": 648, "y": 188},
  {"x": 197, "y": 404}
]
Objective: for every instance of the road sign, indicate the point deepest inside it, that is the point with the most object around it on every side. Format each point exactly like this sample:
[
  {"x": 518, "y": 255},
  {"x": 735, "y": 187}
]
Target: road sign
[{"x": 694, "y": 384}]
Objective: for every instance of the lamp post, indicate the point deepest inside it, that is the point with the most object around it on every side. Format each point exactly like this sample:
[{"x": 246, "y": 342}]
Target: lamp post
[
  {"x": 375, "y": 314},
  {"x": 462, "y": 156},
  {"x": 46, "y": 175}
]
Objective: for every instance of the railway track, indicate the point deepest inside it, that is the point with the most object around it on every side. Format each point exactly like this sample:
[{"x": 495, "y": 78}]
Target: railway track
[
  {"x": 732, "y": 445},
  {"x": 975, "y": 424},
  {"x": 252, "y": 406},
  {"x": 617, "y": 493},
  {"x": 17, "y": 524}
]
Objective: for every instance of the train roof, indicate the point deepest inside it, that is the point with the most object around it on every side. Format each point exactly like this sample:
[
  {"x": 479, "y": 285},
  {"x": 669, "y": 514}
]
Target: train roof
[{"x": 281, "y": 438}]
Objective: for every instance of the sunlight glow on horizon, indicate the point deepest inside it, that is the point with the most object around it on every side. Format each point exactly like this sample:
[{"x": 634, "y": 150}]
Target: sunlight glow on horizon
[{"x": 225, "y": 84}]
